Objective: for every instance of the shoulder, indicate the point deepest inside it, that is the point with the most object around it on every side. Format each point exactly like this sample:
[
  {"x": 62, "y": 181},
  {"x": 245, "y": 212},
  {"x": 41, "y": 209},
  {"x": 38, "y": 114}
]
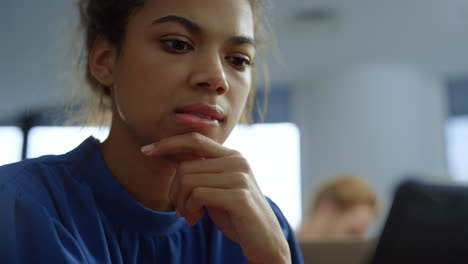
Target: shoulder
[
  {"x": 285, "y": 226},
  {"x": 277, "y": 211},
  {"x": 31, "y": 172},
  {"x": 35, "y": 204},
  {"x": 38, "y": 178},
  {"x": 34, "y": 180}
]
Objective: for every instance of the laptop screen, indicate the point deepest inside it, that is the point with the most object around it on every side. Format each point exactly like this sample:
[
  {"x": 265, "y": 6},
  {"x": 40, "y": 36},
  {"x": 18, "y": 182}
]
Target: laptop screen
[
  {"x": 352, "y": 251},
  {"x": 427, "y": 223}
]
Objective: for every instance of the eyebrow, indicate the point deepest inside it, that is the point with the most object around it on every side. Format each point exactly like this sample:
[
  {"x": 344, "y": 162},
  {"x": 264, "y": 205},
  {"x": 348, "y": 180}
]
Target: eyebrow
[
  {"x": 189, "y": 25},
  {"x": 197, "y": 29},
  {"x": 240, "y": 40}
]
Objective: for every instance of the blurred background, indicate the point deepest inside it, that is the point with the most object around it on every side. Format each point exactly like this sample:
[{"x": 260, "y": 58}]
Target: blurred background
[{"x": 374, "y": 88}]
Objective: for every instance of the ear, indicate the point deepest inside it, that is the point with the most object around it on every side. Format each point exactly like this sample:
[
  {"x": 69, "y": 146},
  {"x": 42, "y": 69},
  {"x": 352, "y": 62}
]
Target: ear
[{"x": 102, "y": 58}]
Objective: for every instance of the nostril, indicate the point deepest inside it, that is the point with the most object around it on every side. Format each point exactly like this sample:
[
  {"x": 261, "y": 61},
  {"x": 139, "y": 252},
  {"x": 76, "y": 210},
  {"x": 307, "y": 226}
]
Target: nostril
[{"x": 220, "y": 90}]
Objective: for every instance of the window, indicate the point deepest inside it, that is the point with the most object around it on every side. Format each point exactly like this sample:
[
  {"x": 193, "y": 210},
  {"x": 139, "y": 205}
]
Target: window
[
  {"x": 272, "y": 150},
  {"x": 58, "y": 140},
  {"x": 11, "y": 142},
  {"x": 457, "y": 147}
]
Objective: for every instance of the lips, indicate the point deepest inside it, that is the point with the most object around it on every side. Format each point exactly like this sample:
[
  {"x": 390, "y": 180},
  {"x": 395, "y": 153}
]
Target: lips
[{"x": 200, "y": 115}]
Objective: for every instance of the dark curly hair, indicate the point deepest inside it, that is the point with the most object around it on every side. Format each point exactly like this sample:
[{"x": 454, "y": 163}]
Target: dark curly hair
[{"x": 110, "y": 19}]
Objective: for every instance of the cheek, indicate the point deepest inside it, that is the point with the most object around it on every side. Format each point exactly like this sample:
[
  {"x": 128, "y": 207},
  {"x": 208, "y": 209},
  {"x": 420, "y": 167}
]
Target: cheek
[
  {"x": 367, "y": 222},
  {"x": 357, "y": 223},
  {"x": 240, "y": 93},
  {"x": 237, "y": 102},
  {"x": 341, "y": 226},
  {"x": 143, "y": 88},
  {"x": 345, "y": 222},
  {"x": 144, "y": 74},
  {"x": 237, "y": 99}
]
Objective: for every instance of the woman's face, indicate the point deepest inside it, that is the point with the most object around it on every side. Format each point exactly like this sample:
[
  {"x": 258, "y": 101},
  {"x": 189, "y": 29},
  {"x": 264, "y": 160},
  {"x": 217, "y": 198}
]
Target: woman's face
[
  {"x": 354, "y": 222},
  {"x": 184, "y": 66}
]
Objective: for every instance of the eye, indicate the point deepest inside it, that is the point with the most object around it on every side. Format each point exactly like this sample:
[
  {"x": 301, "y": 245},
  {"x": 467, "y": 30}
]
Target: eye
[
  {"x": 176, "y": 45},
  {"x": 239, "y": 62}
]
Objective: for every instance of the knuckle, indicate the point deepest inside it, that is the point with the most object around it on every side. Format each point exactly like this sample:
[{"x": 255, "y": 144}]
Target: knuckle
[
  {"x": 197, "y": 193},
  {"x": 243, "y": 195},
  {"x": 185, "y": 183},
  {"x": 242, "y": 180},
  {"x": 197, "y": 138},
  {"x": 242, "y": 163},
  {"x": 236, "y": 153}
]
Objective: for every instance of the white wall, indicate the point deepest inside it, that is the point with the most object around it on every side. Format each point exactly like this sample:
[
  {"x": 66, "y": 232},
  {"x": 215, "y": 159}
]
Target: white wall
[
  {"x": 35, "y": 39},
  {"x": 378, "y": 121}
]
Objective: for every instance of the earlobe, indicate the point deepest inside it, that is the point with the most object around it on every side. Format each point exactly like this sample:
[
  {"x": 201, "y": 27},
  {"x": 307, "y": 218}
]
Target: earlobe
[{"x": 102, "y": 58}]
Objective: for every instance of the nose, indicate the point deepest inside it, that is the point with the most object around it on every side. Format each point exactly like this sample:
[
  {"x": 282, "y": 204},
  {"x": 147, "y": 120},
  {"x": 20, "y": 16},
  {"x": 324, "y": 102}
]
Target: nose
[{"x": 210, "y": 75}]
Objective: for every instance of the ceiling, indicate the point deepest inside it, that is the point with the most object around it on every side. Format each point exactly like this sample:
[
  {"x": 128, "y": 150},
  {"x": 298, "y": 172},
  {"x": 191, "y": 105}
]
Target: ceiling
[{"x": 431, "y": 35}]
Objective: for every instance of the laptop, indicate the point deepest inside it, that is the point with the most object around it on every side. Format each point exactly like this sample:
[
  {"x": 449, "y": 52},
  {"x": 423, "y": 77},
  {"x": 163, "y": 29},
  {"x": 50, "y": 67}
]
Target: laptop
[
  {"x": 348, "y": 251},
  {"x": 427, "y": 223}
]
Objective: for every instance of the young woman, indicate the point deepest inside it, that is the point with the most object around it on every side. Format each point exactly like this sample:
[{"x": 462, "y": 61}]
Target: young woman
[{"x": 161, "y": 189}]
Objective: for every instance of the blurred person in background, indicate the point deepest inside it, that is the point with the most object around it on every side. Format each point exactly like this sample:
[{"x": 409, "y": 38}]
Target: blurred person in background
[{"x": 342, "y": 208}]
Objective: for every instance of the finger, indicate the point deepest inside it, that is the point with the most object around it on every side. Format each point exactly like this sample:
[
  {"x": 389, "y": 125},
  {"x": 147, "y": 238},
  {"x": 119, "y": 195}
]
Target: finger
[
  {"x": 226, "y": 199},
  {"x": 230, "y": 163},
  {"x": 178, "y": 158},
  {"x": 183, "y": 187},
  {"x": 187, "y": 144}
]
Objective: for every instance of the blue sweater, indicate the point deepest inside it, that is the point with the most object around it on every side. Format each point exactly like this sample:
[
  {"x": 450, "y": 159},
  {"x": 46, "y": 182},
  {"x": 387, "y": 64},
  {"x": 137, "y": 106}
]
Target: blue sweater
[{"x": 70, "y": 209}]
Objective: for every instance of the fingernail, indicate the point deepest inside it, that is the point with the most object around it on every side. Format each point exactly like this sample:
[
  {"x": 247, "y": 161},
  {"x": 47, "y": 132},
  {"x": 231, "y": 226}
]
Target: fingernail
[{"x": 147, "y": 148}]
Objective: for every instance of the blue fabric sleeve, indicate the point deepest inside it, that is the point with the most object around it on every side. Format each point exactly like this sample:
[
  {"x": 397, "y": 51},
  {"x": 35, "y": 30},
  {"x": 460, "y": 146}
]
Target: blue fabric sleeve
[
  {"x": 29, "y": 234},
  {"x": 296, "y": 255}
]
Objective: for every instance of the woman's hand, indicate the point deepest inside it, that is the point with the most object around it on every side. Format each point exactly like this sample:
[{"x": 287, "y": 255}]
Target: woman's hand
[{"x": 219, "y": 179}]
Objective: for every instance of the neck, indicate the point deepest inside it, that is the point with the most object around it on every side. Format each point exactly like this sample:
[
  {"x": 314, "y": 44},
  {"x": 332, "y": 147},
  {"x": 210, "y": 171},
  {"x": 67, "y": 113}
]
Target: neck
[{"x": 147, "y": 180}]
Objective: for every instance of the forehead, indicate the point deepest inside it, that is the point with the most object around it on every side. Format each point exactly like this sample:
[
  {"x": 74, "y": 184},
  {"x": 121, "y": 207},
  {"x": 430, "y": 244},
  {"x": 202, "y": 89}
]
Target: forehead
[
  {"x": 232, "y": 17},
  {"x": 359, "y": 213}
]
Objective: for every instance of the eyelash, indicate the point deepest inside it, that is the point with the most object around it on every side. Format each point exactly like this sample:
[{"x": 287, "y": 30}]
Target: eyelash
[
  {"x": 167, "y": 44},
  {"x": 245, "y": 62},
  {"x": 233, "y": 60}
]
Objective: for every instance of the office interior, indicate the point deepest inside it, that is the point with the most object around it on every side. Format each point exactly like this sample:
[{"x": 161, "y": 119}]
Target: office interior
[{"x": 374, "y": 88}]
